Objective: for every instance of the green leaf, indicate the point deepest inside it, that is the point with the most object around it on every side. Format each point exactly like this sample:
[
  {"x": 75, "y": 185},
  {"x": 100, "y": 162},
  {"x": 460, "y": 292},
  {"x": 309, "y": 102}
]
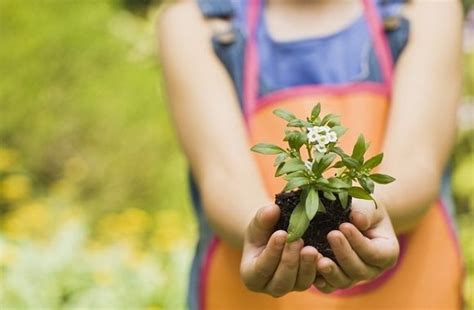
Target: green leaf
[
  {"x": 339, "y": 152},
  {"x": 295, "y": 174},
  {"x": 315, "y": 112},
  {"x": 295, "y": 183},
  {"x": 359, "y": 149},
  {"x": 339, "y": 164},
  {"x": 366, "y": 184},
  {"x": 317, "y": 158},
  {"x": 296, "y": 123},
  {"x": 322, "y": 181},
  {"x": 381, "y": 178},
  {"x": 339, "y": 130},
  {"x": 324, "y": 163},
  {"x": 292, "y": 164},
  {"x": 333, "y": 122},
  {"x": 312, "y": 203},
  {"x": 279, "y": 159},
  {"x": 374, "y": 161},
  {"x": 350, "y": 162},
  {"x": 330, "y": 118},
  {"x": 299, "y": 222},
  {"x": 296, "y": 139},
  {"x": 343, "y": 198},
  {"x": 329, "y": 196},
  {"x": 266, "y": 148},
  {"x": 358, "y": 192},
  {"x": 287, "y": 116},
  {"x": 280, "y": 166},
  {"x": 338, "y": 183}
]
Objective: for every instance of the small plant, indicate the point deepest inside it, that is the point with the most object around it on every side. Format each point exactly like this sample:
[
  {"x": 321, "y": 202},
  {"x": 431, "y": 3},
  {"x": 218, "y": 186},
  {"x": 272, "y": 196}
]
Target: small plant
[{"x": 313, "y": 150}]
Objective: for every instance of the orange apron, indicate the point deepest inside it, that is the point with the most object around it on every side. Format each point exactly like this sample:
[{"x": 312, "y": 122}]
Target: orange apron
[{"x": 429, "y": 270}]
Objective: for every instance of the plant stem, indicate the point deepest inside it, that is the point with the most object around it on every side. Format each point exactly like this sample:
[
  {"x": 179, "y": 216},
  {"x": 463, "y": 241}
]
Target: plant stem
[{"x": 308, "y": 148}]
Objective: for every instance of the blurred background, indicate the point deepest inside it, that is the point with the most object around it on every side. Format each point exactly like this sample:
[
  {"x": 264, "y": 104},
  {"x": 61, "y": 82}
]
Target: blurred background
[{"x": 94, "y": 210}]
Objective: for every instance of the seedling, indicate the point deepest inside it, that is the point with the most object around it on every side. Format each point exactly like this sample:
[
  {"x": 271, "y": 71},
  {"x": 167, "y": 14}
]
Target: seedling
[{"x": 321, "y": 177}]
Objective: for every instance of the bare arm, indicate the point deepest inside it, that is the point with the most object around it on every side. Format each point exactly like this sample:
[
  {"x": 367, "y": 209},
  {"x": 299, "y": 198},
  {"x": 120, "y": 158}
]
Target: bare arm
[
  {"x": 207, "y": 116},
  {"x": 422, "y": 118}
]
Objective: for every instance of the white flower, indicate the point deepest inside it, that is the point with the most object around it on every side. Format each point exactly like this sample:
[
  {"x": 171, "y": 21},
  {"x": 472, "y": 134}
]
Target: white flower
[
  {"x": 321, "y": 148},
  {"x": 323, "y": 129},
  {"x": 332, "y": 136},
  {"x": 310, "y": 129},
  {"x": 312, "y": 136},
  {"x": 322, "y": 139},
  {"x": 308, "y": 164}
]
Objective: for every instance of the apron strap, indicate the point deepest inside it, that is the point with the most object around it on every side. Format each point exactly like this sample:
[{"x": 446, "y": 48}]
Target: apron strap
[
  {"x": 216, "y": 8},
  {"x": 251, "y": 75},
  {"x": 382, "y": 50}
]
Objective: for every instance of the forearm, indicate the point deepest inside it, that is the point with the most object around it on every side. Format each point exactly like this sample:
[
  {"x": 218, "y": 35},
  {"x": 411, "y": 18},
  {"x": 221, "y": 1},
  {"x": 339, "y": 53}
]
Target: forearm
[
  {"x": 207, "y": 117},
  {"x": 422, "y": 121},
  {"x": 231, "y": 198},
  {"x": 414, "y": 191}
]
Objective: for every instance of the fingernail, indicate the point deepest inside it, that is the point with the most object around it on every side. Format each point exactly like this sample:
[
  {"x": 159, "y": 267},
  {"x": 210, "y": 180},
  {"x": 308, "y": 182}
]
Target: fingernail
[{"x": 326, "y": 269}]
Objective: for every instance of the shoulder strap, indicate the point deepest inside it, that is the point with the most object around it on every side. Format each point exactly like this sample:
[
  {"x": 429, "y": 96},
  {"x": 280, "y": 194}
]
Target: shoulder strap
[
  {"x": 216, "y": 8},
  {"x": 390, "y": 12},
  {"x": 396, "y": 26},
  {"x": 228, "y": 42}
]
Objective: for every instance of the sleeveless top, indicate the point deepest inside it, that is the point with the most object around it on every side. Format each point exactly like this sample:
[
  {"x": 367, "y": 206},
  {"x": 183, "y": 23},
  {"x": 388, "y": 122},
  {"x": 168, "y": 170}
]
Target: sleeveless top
[{"x": 337, "y": 58}]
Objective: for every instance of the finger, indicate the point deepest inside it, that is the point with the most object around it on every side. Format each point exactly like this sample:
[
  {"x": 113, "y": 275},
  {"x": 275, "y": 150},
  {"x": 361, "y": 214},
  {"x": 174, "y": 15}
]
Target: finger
[
  {"x": 262, "y": 225},
  {"x": 381, "y": 252},
  {"x": 323, "y": 286},
  {"x": 307, "y": 268},
  {"x": 284, "y": 279},
  {"x": 348, "y": 260},
  {"x": 333, "y": 274},
  {"x": 364, "y": 214},
  {"x": 257, "y": 271}
]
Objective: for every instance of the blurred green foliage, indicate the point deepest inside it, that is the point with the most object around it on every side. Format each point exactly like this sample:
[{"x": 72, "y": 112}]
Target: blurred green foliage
[
  {"x": 468, "y": 4},
  {"x": 84, "y": 131},
  {"x": 79, "y": 85},
  {"x": 93, "y": 197}
]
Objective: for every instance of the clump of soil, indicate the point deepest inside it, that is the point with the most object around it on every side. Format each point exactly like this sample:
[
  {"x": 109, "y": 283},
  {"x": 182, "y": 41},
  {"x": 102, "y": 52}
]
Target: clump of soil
[{"x": 320, "y": 225}]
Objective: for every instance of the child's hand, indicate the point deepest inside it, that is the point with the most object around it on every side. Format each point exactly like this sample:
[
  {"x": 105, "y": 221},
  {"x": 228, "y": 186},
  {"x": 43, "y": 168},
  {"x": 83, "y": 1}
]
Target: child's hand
[
  {"x": 271, "y": 266},
  {"x": 364, "y": 249}
]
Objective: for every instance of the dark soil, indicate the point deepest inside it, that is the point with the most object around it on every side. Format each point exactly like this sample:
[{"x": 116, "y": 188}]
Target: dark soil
[{"x": 322, "y": 223}]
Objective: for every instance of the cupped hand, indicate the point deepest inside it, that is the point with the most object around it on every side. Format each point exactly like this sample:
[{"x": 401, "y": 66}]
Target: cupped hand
[
  {"x": 364, "y": 248},
  {"x": 269, "y": 264}
]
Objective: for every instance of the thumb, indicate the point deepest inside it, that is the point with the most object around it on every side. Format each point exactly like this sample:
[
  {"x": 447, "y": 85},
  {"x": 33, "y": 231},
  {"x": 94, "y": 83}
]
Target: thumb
[
  {"x": 364, "y": 214},
  {"x": 262, "y": 225}
]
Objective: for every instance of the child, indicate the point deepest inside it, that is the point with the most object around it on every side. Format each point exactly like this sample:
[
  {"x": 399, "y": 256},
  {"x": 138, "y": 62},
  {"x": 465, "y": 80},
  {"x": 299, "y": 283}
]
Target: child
[{"x": 227, "y": 69}]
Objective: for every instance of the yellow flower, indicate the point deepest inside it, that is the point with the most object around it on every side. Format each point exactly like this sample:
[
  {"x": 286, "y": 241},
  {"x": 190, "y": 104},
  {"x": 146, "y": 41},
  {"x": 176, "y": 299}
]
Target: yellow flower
[
  {"x": 171, "y": 231},
  {"x": 134, "y": 221},
  {"x": 31, "y": 219},
  {"x": 15, "y": 187},
  {"x": 130, "y": 223}
]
